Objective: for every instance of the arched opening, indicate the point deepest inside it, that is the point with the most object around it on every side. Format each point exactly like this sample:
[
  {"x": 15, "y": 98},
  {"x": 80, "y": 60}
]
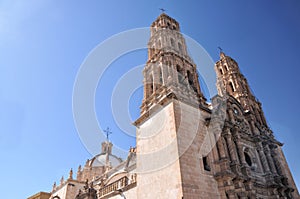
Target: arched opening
[
  {"x": 227, "y": 196},
  {"x": 179, "y": 73},
  {"x": 236, "y": 111},
  {"x": 221, "y": 71},
  {"x": 232, "y": 89},
  {"x": 160, "y": 79},
  {"x": 248, "y": 159},
  {"x": 226, "y": 67},
  {"x": 205, "y": 163},
  {"x": 180, "y": 47},
  {"x": 159, "y": 45},
  {"x": 191, "y": 80},
  {"x": 172, "y": 42},
  {"x": 150, "y": 85}
]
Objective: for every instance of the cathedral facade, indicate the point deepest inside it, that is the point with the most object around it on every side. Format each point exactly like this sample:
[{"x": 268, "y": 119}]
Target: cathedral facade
[{"x": 187, "y": 147}]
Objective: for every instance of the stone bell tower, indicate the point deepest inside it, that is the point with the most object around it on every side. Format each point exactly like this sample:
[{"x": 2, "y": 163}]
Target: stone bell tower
[
  {"x": 251, "y": 163},
  {"x": 169, "y": 69},
  {"x": 172, "y": 125},
  {"x": 231, "y": 81}
]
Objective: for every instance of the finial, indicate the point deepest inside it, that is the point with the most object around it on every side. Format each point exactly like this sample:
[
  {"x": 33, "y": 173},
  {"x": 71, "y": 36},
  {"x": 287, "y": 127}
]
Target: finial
[
  {"x": 62, "y": 180},
  {"x": 71, "y": 174},
  {"x": 54, "y": 186},
  {"x": 87, "y": 162},
  {"x": 79, "y": 169}
]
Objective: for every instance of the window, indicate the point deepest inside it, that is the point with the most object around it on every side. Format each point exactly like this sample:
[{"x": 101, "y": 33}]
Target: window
[
  {"x": 226, "y": 67},
  {"x": 248, "y": 159},
  {"x": 190, "y": 78},
  {"x": 150, "y": 85},
  {"x": 227, "y": 197},
  {"x": 179, "y": 73},
  {"x": 231, "y": 87},
  {"x": 179, "y": 47},
  {"x": 160, "y": 76},
  {"x": 172, "y": 42},
  {"x": 221, "y": 71},
  {"x": 205, "y": 163},
  {"x": 236, "y": 111},
  {"x": 159, "y": 45}
]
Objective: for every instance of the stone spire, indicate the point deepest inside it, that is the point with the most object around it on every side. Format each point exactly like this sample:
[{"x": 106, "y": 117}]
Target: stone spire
[
  {"x": 54, "y": 187},
  {"x": 79, "y": 173},
  {"x": 62, "y": 180},
  {"x": 70, "y": 174}
]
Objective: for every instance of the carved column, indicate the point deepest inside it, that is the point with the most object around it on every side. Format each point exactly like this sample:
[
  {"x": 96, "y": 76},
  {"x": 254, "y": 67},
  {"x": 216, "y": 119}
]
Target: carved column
[
  {"x": 277, "y": 163},
  {"x": 232, "y": 151},
  {"x": 215, "y": 149},
  {"x": 231, "y": 115},
  {"x": 253, "y": 128},
  {"x": 164, "y": 71},
  {"x": 239, "y": 147},
  {"x": 221, "y": 148},
  {"x": 270, "y": 159},
  {"x": 175, "y": 72},
  {"x": 263, "y": 159},
  {"x": 241, "y": 152}
]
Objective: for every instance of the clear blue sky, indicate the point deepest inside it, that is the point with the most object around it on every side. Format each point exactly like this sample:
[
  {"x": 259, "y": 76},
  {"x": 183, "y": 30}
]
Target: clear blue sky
[{"x": 43, "y": 43}]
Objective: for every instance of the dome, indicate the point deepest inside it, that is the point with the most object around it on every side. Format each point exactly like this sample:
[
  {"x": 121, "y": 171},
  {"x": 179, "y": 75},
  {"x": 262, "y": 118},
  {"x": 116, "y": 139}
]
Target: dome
[{"x": 100, "y": 160}]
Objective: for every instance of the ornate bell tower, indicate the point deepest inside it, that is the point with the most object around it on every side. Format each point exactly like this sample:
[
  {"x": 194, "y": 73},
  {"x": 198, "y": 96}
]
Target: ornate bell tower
[
  {"x": 231, "y": 81},
  {"x": 252, "y": 164},
  {"x": 169, "y": 71},
  {"x": 171, "y": 128}
]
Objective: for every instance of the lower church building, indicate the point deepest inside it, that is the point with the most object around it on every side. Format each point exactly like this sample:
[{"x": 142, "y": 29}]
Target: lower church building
[{"x": 187, "y": 147}]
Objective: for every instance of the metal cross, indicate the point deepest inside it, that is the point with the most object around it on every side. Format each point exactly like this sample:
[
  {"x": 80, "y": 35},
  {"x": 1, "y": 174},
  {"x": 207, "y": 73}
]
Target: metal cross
[
  {"x": 221, "y": 50},
  {"x": 162, "y": 10},
  {"x": 108, "y": 132}
]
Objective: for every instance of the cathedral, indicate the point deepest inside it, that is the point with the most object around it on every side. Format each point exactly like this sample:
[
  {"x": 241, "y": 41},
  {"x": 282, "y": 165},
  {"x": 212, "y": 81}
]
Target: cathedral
[{"x": 186, "y": 146}]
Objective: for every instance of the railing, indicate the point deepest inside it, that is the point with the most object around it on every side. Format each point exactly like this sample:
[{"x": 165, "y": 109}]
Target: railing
[{"x": 113, "y": 187}]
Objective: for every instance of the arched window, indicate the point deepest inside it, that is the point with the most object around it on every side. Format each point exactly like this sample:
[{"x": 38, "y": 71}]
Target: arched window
[
  {"x": 172, "y": 42},
  {"x": 248, "y": 159},
  {"x": 236, "y": 111},
  {"x": 226, "y": 67},
  {"x": 221, "y": 71},
  {"x": 159, "y": 45},
  {"x": 227, "y": 197},
  {"x": 179, "y": 47},
  {"x": 191, "y": 80},
  {"x": 150, "y": 85},
  {"x": 179, "y": 73},
  {"x": 231, "y": 87},
  {"x": 205, "y": 163},
  {"x": 160, "y": 76}
]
